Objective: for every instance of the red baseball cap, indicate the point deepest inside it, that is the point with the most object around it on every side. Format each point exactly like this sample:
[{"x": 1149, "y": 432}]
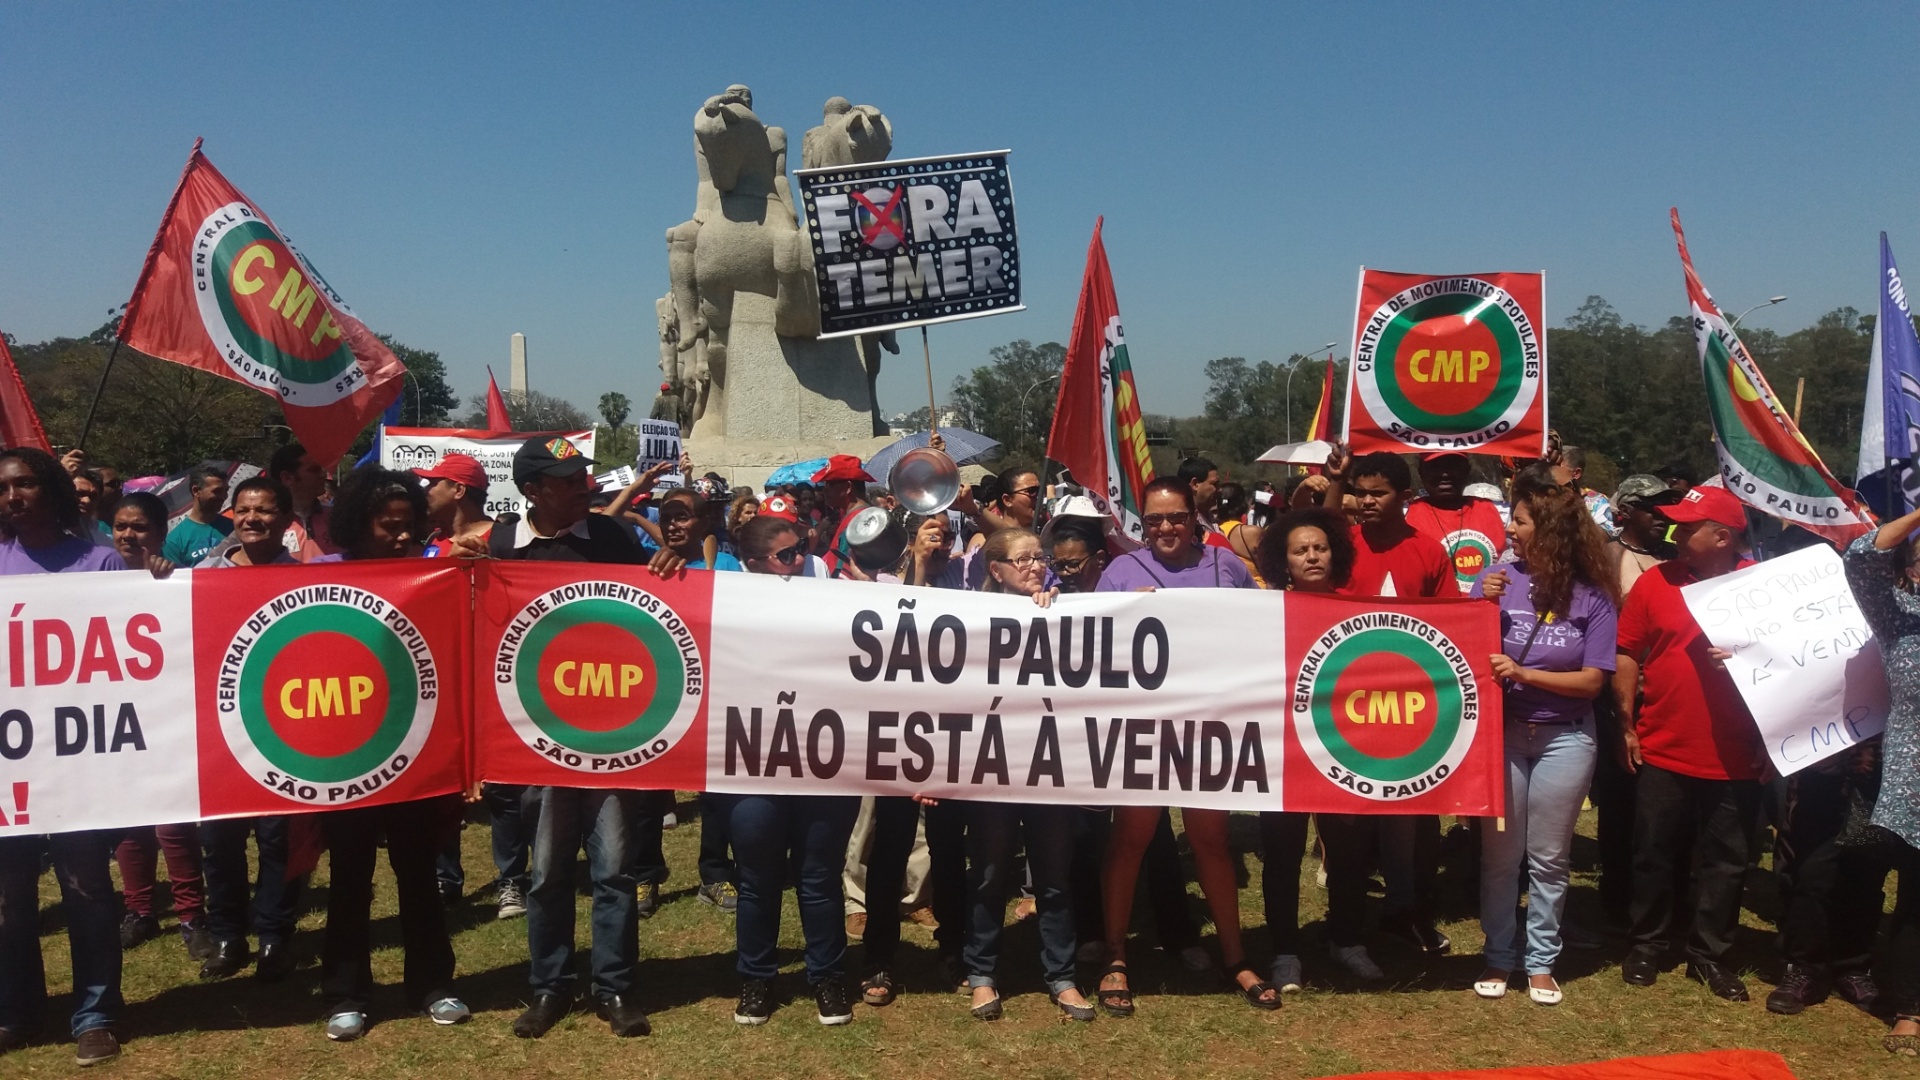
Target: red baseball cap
[
  {"x": 459, "y": 468},
  {"x": 842, "y": 467},
  {"x": 779, "y": 506},
  {"x": 1436, "y": 455},
  {"x": 1715, "y": 504}
]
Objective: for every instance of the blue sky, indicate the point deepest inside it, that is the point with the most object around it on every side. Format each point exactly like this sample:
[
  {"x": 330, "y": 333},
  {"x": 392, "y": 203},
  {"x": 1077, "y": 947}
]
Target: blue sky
[{"x": 465, "y": 171}]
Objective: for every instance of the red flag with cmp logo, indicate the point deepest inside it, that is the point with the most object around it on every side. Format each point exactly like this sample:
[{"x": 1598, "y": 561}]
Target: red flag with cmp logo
[
  {"x": 1449, "y": 362},
  {"x": 323, "y": 695},
  {"x": 223, "y": 291}
]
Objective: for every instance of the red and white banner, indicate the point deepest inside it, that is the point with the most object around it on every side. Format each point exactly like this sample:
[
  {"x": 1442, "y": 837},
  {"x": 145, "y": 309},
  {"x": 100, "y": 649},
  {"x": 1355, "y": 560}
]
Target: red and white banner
[
  {"x": 219, "y": 693},
  {"x": 1449, "y": 362},
  {"x": 225, "y": 291},
  {"x": 610, "y": 677}
]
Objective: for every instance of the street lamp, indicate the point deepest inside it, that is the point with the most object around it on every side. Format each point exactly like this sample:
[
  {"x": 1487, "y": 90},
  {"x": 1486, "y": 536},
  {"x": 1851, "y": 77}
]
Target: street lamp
[
  {"x": 1329, "y": 346},
  {"x": 1770, "y": 302},
  {"x": 1023, "y": 399}
]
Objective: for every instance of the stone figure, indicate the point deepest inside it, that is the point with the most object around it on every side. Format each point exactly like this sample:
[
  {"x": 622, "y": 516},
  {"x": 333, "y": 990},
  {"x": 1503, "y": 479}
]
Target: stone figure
[{"x": 744, "y": 256}]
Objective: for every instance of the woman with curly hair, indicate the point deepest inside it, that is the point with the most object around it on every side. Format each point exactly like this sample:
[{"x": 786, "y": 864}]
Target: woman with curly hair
[
  {"x": 382, "y": 514},
  {"x": 1310, "y": 550},
  {"x": 1558, "y": 601}
]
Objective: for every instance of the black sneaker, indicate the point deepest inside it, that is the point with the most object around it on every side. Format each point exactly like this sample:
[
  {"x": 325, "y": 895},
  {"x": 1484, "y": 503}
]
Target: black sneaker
[
  {"x": 1417, "y": 931},
  {"x": 198, "y": 941},
  {"x": 756, "y": 1003},
  {"x": 646, "y": 898},
  {"x": 1799, "y": 987},
  {"x": 1857, "y": 988},
  {"x": 137, "y": 929},
  {"x": 835, "y": 1008}
]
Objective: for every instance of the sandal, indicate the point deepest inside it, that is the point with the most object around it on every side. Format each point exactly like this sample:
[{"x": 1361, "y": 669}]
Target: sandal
[
  {"x": 1256, "y": 994},
  {"x": 1083, "y": 1013},
  {"x": 1903, "y": 1045},
  {"x": 1119, "y": 1000},
  {"x": 878, "y": 989},
  {"x": 989, "y": 1010}
]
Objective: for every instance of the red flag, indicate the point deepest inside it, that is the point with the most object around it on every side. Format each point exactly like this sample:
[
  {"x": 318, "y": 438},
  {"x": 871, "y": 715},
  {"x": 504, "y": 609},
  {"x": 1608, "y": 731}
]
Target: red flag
[
  {"x": 223, "y": 291},
  {"x": 496, "y": 406},
  {"x": 1097, "y": 431},
  {"x": 1764, "y": 458},
  {"x": 19, "y": 424},
  {"x": 1322, "y": 426}
]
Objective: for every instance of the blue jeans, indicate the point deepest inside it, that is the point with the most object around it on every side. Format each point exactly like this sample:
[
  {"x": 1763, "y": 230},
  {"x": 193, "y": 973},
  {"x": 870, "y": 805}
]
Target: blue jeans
[
  {"x": 993, "y": 842},
  {"x": 559, "y": 820},
  {"x": 1548, "y": 770},
  {"x": 510, "y": 840},
  {"x": 771, "y": 833},
  {"x": 92, "y": 913}
]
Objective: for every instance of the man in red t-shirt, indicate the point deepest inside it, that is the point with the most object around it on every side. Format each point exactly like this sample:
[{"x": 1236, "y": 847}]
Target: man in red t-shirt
[
  {"x": 1390, "y": 559},
  {"x": 1469, "y": 529},
  {"x": 1695, "y": 747}
]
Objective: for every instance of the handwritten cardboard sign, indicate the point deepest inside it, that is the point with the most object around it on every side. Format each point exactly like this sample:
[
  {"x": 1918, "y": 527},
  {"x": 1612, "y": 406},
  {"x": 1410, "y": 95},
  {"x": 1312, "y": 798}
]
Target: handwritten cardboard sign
[{"x": 1803, "y": 658}]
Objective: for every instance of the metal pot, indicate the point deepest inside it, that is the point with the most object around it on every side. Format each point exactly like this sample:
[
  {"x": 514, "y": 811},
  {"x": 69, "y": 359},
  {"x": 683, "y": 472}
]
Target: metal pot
[
  {"x": 875, "y": 540},
  {"x": 925, "y": 481}
]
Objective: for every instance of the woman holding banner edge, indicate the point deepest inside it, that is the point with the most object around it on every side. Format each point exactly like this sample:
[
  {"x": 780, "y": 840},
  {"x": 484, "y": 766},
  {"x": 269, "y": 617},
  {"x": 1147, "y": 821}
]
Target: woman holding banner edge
[
  {"x": 1558, "y": 603},
  {"x": 1173, "y": 559},
  {"x": 381, "y": 514}
]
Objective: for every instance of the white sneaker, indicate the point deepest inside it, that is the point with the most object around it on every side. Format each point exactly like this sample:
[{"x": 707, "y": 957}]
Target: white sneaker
[
  {"x": 346, "y": 1026},
  {"x": 449, "y": 1011},
  {"x": 1195, "y": 958},
  {"x": 1355, "y": 959},
  {"x": 1286, "y": 973}
]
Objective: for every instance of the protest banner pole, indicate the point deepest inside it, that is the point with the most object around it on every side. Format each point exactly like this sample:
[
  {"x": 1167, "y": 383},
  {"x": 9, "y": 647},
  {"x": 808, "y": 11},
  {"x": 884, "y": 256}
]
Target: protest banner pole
[
  {"x": 1799, "y": 392},
  {"x": 933, "y": 411},
  {"x": 98, "y": 391}
]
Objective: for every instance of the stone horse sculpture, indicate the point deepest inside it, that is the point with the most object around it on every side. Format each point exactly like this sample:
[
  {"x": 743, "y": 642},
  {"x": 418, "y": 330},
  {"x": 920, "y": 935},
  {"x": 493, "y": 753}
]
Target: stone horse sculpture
[{"x": 745, "y": 238}]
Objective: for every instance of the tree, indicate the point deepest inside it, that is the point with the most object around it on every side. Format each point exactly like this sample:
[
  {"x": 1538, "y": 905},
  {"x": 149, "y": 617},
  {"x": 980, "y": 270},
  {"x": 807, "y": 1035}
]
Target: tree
[
  {"x": 425, "y": 400},
  {"x": 1011, "y": 400},
  {"x": 1250, "y": 404},
  {"x": 534, "y": 411},
  {"x": 614, "y": 407}
]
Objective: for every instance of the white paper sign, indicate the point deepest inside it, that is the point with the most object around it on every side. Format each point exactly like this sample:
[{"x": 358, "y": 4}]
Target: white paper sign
[
  {"x": 1803, "y": 658},
  {"x": 660, "y": 441},
  {"x": 415, "y": 448}
]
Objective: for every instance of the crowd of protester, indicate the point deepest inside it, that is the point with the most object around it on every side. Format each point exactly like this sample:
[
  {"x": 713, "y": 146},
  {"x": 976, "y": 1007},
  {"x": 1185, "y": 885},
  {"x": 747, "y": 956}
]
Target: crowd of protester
[{"x": 1611, "y": 696}]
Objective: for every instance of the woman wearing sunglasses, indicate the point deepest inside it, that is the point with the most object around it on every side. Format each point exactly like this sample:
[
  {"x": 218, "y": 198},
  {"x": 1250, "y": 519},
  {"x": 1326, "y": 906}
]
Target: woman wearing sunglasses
[
  {"x": 774, "y": 833},
  {"x": 1173, "y": 559}
]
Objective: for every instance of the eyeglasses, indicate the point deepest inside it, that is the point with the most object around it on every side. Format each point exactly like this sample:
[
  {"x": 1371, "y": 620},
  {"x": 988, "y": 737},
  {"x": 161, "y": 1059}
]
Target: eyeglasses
[
  {"x": 1024, "y": 562},
  {"x": 1178, "y": 521},
  {"x": 1071, "y": 567},
  {"x": 787, "y": 556}
]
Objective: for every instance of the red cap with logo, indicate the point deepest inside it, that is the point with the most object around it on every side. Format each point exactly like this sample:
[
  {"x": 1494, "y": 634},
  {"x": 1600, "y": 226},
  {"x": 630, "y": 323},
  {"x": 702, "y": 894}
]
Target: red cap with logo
[
  {"x": 1715, "y": 504},
  {"x": 779, "y": 506},
  {"x": 842, "y": 467},
  {"x": 459, "y": 468}
]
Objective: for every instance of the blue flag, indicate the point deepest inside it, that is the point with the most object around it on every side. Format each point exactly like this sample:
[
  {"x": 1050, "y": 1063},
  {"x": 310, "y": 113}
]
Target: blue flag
[
  {"x": 1890, "y": 428},
  {"x": 390, "y": 418}
]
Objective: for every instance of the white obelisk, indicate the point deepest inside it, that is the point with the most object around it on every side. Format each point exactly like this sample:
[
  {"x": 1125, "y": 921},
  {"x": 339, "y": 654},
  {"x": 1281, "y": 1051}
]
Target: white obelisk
[{"x": 517, "y": 369}]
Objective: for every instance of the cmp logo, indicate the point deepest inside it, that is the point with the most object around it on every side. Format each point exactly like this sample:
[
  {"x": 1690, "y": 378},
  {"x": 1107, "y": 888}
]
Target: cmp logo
[
  {"x": 268, "y": 311},
  {"x": 1385, "y": 706},
  {"x": 327, "y": 694},
  {"x": 1452, "y": 362},
  {"x": 599, "y": 676},
  {"x": 1471, "y": 551},
  {"x": 1759, "y": 457}
]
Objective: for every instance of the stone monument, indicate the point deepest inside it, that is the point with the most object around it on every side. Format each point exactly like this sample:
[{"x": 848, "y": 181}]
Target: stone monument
[{"x": 752, "y": 384}]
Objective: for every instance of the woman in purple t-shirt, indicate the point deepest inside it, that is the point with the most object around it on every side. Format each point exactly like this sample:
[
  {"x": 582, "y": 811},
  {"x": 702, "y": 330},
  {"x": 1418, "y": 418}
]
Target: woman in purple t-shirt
[
  {"x": 1557, "y": 603},
  {"x": 1173, "y": 559}
]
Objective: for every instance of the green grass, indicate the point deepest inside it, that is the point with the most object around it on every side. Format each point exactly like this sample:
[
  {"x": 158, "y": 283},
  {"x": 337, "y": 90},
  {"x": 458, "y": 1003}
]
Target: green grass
[{"x": 1187, "y": 1024}]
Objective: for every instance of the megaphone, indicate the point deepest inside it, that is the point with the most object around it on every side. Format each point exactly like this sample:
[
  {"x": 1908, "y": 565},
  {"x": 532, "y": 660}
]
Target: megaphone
[{"x": 925, "y": 481}]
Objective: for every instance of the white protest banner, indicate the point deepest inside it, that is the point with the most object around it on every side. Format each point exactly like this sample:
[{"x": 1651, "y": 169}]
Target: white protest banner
[
  {"x": 1803, "y": 658},
  {"x": 421, "y": 448},
  {"x": 660, "y": 442}
]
